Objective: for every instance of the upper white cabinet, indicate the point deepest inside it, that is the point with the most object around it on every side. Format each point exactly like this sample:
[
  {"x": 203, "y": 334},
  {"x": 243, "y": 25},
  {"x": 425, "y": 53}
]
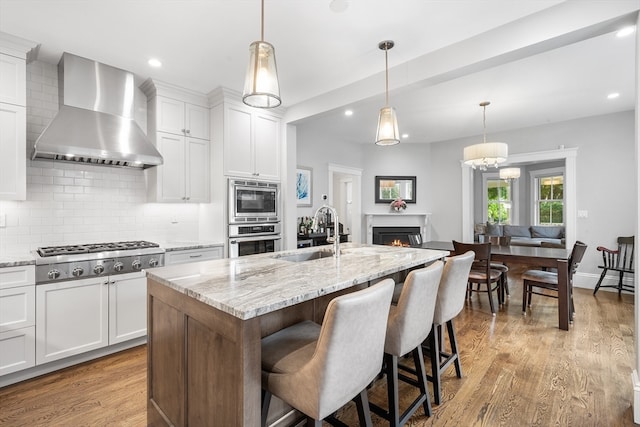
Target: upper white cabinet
[
  {"x": 13, "y": 118},
  {"x": 181, "y": 118},
  {"x": 251, "y": 143},
  {"x": 250, "y": 137},
  {"x": 178, "y": 124}
]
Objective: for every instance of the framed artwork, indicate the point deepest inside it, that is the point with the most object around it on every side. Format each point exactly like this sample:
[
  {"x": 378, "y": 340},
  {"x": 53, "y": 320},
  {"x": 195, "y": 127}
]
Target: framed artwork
[
  {"x": 388, "y": 188},
  {"x": 304, "y": 183}
]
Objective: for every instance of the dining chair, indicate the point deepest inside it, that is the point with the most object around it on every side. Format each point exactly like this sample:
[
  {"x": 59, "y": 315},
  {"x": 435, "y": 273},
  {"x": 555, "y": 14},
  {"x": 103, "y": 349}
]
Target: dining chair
[
  {"x": 503, "y": 268},
  {"x": 481, "y": 271},
  {"x": 408, "y": 326},
  {"x": 449, "y": 303},
  {"x": 620, "y": 260},
  {"x": 546, "y": 282},
  {"x": 317, "y": 369}
]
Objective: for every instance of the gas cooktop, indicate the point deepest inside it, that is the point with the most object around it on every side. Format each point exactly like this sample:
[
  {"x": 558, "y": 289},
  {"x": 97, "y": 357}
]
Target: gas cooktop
[{"x": 95, "y": 247}]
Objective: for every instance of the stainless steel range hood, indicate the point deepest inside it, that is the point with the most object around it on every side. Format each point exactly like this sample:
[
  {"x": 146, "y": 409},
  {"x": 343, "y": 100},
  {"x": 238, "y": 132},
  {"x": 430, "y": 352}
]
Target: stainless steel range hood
[{"x": 95, "y": 123}]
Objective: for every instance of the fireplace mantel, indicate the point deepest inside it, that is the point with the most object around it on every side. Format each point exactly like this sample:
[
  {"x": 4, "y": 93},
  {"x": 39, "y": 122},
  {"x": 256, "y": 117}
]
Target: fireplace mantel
[{"x": 400, "y": 219}]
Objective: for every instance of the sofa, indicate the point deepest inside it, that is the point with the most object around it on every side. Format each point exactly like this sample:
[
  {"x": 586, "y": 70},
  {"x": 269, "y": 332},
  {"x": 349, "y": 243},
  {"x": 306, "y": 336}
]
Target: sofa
[{"x": 528, "y": 235}]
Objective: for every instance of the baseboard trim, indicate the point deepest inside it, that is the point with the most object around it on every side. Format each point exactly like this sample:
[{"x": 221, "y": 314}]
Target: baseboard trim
[
  {"x": 589, "y": 280},
  {"x": 636, "y": 396}
]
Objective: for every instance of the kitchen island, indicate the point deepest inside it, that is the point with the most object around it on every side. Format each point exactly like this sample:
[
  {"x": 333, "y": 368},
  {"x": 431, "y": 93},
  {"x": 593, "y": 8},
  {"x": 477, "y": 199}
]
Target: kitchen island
[{"x": 206, "y": 319}]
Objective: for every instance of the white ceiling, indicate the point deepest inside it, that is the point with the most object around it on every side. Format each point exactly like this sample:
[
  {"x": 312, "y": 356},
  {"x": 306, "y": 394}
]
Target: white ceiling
[{"x": 323, "y": 55}]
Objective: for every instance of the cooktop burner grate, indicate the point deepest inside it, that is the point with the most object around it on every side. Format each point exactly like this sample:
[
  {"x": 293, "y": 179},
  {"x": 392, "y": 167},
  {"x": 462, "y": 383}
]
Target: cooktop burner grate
[{"x": 95, "y": 247}]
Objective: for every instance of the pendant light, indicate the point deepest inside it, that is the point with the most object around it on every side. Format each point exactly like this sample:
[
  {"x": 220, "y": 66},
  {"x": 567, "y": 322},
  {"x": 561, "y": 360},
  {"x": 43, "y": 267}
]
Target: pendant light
[
  {"x": 261, "y": 88},
  {"x": 387, "y": 121},
  {"x": 487, "y": 153},
  {"x": 509, "y": 174}
]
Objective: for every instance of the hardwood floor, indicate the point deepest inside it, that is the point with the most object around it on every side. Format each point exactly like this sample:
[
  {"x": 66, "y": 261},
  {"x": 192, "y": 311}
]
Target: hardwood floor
[{"x": 518, "y": 371}]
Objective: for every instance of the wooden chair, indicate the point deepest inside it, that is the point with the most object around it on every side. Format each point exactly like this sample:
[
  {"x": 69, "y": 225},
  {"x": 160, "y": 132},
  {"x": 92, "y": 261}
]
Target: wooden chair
[
  {"x": 481, "y": 271},
  {"x": 503, "y": 268},
  {"x": 620, "y": 260},
  {"x": 547, "y": 281}
]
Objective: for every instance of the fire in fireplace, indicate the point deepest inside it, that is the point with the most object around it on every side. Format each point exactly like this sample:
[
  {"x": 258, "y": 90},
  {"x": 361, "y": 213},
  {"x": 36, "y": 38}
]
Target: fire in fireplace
[{"x": 396, "y": 236}]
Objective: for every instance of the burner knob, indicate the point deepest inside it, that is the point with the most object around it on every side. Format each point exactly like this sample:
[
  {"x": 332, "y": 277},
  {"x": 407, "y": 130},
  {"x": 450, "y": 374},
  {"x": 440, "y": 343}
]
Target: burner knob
[
  {"x": 53, "y": 274},
  {"x": 118, "y": 266},
  {"x": 77, "y": 271},
  {"x": 136, "y": 264},
  {"x": 153, "y": 262},
  {"x": 98, "y": 269}
]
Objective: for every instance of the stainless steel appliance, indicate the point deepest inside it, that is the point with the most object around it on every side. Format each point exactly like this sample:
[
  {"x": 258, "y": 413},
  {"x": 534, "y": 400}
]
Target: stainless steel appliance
[
  {"x": 253, "y": 201},
  {"x": 98, "y": 260},
  {"x": 251, "y": 239}
]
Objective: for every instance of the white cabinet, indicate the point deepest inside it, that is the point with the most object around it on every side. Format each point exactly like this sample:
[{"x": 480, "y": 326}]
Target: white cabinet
[
  {"x": 192, "y": 255},
  {"x": 127, "y": 308},
  {"x": 251, "y": 143},
  {"x": 17, "y": 318},
  {"x": 13, "y": 86},
  {"x": 184, "y": 176},
  {"x": 81, "y": 315},
  {"x": 181, "y": 118},
  {"x": 13, "y": 124},
  {"x": 180, "y": 130},
  {"x": 71, "y": 318}
]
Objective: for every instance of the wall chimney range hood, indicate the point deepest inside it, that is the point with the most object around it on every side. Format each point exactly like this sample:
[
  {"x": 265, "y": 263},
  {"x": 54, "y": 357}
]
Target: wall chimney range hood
[{"x": 95, "y": 122}]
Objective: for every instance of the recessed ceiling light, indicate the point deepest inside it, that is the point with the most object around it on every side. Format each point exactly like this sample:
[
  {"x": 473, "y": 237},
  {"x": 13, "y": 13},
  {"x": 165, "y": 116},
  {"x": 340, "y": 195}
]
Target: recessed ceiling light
[
  {"x": 626, "y": 31},
  {"x": 155, "y": 63},
  {"x": 613, "y": 95},
  {"x": 348, "y": 113},
  {"x": 405, "y": 135}
]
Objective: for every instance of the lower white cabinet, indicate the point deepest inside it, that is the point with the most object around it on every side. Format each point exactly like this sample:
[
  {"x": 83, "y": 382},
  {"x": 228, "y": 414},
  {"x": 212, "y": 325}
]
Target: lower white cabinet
[
  {"x": 17, "y": 350},
  {"x": 71, "y": 318},
  {"x": 82, "y": 315},
  {"x": 192, "y": 255},
  {"x": 127, "y": 308}
]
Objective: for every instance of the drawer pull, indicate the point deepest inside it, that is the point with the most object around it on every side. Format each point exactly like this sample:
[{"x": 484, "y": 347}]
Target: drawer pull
[{"x": 195, "y": 256}]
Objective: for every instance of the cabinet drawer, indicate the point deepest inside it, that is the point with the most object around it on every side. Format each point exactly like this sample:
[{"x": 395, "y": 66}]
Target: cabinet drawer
[
  {"x": 12, "y": 277},
  {"x": 17, "y": 307},
  {"x": 17, "y": 350},
  {"x": 192, "y": 255}
]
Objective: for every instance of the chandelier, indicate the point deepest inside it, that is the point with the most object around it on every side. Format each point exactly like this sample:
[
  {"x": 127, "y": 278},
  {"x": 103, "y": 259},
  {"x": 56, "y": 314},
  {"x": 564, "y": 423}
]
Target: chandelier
[
  {"x": 509, "y": 174},
  {"x": 485, "y": 154}
]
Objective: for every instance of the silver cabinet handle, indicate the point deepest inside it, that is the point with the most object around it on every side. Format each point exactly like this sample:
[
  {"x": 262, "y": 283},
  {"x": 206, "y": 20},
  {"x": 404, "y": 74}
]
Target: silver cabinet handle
[{"x": 195, "y": 256}]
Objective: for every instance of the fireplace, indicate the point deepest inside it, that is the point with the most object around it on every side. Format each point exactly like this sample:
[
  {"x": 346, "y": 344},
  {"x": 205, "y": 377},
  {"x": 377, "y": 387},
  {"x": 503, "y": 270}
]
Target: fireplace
[{"x": 396, "y": 236}]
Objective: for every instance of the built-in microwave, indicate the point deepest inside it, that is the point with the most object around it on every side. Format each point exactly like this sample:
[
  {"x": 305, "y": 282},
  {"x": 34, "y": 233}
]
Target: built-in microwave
[{"x": 253, "y": 201}]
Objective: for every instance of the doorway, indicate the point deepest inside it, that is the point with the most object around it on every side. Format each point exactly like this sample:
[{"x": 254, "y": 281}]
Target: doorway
[{"x": 345, "y": 196}]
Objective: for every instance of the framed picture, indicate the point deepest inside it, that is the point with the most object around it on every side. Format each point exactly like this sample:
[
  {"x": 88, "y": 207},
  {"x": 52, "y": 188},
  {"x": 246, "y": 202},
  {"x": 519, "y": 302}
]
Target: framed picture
[
  {"x": 388, "y": 188},
  {"x": 304, "y": 184}
]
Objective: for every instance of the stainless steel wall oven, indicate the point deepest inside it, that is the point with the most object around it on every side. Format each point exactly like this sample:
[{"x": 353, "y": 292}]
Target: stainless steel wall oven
[{"x": 251, "y": 239}]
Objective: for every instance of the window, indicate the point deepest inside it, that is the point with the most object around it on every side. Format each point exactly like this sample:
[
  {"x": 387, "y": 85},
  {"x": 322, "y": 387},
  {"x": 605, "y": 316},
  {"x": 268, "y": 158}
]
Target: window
[
  {"x": 549, "y": 198},
  {"x": 498, "y": 201}
]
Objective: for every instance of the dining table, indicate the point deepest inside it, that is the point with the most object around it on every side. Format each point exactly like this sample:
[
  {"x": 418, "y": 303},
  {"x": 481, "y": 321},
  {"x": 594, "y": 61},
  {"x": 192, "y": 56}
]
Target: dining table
[{"x": 533, "y": 256}]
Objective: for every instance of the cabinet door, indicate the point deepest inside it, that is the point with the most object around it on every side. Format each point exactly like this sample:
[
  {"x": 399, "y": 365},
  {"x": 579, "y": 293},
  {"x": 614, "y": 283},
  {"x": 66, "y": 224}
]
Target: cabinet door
[
  {"x": 71, "y": 318},
  {"x": 13, "y": 74},
  {"x": 238, "y": 155},
  {"x": 197, "y": 121},
  {"x": 266, "y": 147},
  {"x": 127, "y": 307},
  {"x": 13, "y": 137},
  {"x": 197, "y": 170},
  {"x": 171, "y": 179},
  {"x": 17, "y": 350},
  {"x": 170, "y": 115},
  {"x": 17, "y": 307}
]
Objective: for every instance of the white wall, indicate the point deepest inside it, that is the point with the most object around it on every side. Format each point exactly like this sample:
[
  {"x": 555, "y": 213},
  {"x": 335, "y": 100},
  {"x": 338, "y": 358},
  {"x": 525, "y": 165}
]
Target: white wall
[
  {"x": 605, "y": 177},
  {"x": 77, "y": 203}
]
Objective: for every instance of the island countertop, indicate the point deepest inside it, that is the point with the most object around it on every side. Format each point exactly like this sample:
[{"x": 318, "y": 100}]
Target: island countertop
[{"x": 251, "y": 286}]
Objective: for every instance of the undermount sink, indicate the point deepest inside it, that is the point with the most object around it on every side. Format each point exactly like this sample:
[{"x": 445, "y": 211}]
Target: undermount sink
[{"x": 305, "y": 256}]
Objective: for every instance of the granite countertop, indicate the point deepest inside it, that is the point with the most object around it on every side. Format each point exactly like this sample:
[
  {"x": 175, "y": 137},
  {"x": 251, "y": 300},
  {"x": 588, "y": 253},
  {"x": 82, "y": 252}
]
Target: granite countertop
[
  {"x": 181, "y": 246},
  {"x": 15, "y": 260},
  {"x": 251, "y": 286}
]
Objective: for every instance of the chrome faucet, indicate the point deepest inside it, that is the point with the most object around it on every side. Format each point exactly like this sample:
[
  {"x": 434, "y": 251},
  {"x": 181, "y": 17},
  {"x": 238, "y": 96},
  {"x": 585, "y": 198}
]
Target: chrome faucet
[{"x": 336, "y": 227}]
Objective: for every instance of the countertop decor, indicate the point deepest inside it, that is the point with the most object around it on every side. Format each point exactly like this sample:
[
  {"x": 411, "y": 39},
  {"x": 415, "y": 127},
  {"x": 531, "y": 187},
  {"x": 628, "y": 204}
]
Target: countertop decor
[{"x": 398, "y": 204}]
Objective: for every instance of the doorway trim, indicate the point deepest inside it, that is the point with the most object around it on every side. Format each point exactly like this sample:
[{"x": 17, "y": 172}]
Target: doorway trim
[
  {"x": 569, "y": 155},
  {"x": 356, "y": 206}
]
